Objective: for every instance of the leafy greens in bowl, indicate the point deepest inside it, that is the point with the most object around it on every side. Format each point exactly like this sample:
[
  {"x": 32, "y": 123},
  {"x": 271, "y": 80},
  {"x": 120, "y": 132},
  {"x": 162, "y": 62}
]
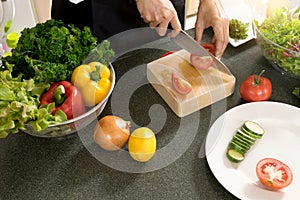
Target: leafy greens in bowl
[
  {"x": 279, "y": 38},
  {"x": 45, "y": 54},
  {"x": 64, "y": 128}
]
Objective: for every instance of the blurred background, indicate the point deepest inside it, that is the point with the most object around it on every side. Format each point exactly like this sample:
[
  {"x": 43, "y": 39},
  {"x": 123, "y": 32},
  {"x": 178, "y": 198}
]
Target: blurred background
[{"x": 30, "y": 12}]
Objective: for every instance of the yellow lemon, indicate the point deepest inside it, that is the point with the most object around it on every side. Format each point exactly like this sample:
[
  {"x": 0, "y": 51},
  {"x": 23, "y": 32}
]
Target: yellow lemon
[{"x": 142, "y": 144}]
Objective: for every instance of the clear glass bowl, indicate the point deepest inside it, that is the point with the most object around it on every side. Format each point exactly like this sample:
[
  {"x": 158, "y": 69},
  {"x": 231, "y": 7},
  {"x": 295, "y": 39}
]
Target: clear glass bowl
[
  {"x": 71, "y": 126},
  {"x": 284, "y": 60}
]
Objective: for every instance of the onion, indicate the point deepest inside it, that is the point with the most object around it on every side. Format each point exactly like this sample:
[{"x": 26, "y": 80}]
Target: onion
[{"x": 112, "y": 132}]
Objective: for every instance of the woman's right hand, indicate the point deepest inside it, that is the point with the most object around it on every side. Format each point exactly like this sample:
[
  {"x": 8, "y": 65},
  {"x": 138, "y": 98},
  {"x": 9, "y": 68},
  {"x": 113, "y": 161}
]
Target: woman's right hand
[{"x": 159, "y": 14}]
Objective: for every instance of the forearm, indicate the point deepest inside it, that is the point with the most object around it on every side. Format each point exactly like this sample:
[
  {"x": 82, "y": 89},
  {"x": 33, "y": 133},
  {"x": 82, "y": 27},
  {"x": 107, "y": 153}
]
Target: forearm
[{"x": 217, "y": 4}]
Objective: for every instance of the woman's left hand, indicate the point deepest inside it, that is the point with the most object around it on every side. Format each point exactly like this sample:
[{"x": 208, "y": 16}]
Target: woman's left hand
[{"x": 212, "y": 14}]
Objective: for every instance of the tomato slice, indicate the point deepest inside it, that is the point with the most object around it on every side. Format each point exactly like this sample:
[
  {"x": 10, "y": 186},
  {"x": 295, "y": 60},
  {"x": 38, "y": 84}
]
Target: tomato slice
[
  {"x": 210, "y": 47},
  {"x": 181, "y": 85},
  {"x": 273, "y": 173},
  {"x": 201, "y": 62}
]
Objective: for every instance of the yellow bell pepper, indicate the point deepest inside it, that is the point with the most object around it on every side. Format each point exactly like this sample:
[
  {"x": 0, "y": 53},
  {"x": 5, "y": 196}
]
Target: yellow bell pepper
[{"x": 93, "y": 82}]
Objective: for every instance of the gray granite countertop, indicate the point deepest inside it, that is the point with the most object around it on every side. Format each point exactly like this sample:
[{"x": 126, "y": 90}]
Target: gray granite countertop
[{"x": 39, "y": 168}]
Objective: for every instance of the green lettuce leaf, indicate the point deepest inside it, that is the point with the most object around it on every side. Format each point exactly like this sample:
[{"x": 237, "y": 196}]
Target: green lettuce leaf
[{"x": 19, "y": 104}]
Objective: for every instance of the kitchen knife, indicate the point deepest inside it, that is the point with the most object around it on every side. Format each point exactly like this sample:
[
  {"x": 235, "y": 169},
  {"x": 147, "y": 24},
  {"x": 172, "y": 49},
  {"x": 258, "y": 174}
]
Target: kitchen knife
[{"x": 185, "y": 41}]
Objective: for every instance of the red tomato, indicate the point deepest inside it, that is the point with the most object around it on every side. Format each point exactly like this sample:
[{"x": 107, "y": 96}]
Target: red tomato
[
  {"x": 210, "y": 47},
  {"x": 256, "y": 88},
  {"x": 167, "y": 53},
  {"x": 273, "y": 173},
  {"x": 181, "y": 85},
  {"x": 201, "y": 62}
]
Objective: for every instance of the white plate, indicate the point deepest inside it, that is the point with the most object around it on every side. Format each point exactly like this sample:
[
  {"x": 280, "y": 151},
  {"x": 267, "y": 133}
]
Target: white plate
[
  {"x": 281, "y": 141},
  {"x": 238, "y": 9}
]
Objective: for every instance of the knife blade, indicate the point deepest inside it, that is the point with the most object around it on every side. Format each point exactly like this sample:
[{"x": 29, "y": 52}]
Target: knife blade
[{"x": 185, "y": 41}]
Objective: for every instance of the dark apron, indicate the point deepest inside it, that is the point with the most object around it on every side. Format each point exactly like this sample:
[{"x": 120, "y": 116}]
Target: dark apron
[{"x": 105, "y": 17}]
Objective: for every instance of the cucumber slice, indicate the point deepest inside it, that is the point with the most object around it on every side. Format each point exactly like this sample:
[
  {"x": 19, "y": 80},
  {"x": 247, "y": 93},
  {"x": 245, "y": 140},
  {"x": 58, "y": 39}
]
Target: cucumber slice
[
  {"x": 245, "y": 137},
  {"x": 250, "y": 134},
  {"x": 237, "y": 147},
  {"x": 242, "y": 140},
  {"x": 240, "y": 144},
  {"x": 253, "y": 128},
  {"x": 234, "y": 155}
]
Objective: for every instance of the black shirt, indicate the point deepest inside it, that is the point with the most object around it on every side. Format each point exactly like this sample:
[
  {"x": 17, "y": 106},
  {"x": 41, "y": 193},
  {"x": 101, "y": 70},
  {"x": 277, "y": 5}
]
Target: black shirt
[{"x": 105, "y": 17}]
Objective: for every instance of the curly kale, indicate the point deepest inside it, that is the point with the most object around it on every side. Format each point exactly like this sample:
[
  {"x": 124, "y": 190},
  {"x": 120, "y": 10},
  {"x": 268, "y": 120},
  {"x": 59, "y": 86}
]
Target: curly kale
[{"x": 50, "y": 51}]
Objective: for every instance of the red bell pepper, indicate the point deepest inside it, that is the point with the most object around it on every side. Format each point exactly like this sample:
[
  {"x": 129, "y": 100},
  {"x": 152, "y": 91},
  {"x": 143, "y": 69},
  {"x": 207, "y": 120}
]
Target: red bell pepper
[{"x": 67, "y": 98}]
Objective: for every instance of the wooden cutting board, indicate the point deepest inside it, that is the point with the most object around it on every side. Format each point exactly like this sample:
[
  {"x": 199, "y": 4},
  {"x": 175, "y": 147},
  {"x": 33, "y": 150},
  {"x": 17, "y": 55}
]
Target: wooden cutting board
[{"x": 208, "y": 86}]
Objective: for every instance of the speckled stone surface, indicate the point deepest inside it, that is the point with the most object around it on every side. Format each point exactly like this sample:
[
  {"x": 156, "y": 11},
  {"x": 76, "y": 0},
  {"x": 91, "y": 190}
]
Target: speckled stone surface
[{"x": 38, "y": 168}]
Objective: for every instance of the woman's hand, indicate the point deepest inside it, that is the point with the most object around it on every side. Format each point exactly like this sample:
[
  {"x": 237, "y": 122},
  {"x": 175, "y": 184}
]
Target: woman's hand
[
  {"x": 211, "y": 13},
  {"x": 159, "y": 14}
]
